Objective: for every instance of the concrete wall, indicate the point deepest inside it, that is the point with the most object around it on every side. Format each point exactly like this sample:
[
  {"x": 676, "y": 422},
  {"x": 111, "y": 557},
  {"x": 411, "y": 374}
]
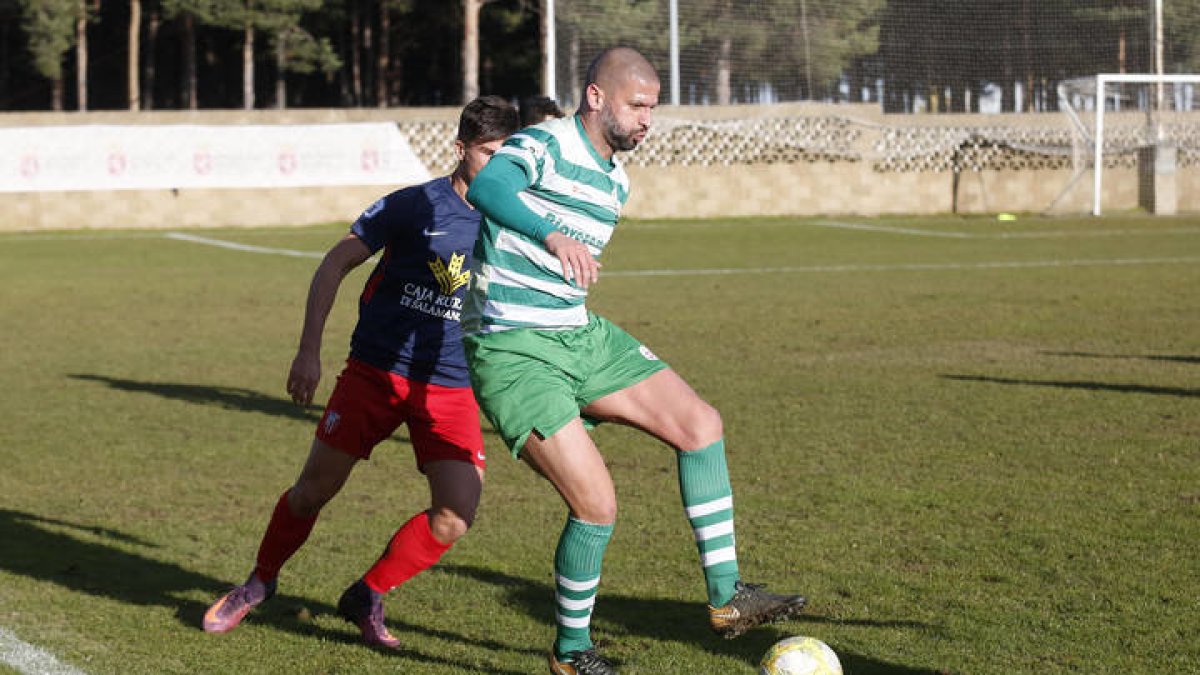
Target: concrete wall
[{"x": 836, "y": 187}]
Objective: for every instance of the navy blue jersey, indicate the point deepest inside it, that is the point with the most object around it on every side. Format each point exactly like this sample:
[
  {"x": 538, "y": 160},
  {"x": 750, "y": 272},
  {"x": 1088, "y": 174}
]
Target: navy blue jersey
[{"x": 409, "y": 310}]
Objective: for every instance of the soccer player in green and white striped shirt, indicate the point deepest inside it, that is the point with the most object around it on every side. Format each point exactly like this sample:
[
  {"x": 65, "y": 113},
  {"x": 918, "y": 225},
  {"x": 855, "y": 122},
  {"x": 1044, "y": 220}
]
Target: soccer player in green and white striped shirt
[{"x": 543, "y": 367}]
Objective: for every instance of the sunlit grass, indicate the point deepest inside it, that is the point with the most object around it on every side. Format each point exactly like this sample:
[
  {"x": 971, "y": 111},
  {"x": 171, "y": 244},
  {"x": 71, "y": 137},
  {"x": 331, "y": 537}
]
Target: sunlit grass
[{"x": 976, "y": 454}]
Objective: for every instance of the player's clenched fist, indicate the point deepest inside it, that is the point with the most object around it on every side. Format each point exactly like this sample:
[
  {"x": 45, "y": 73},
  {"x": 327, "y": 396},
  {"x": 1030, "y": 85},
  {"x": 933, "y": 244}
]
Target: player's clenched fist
[{"x": 303, "y": 377}]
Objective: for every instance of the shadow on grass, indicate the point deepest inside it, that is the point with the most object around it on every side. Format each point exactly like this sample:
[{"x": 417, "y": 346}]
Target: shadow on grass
[
  {"x": 1177, "y": 358},
  {"x": 229, "y": 398},
  {"x": 63, "y": 553},
  {"x": 645, "y": 620},
  {"x": 1085, "y": 385}
]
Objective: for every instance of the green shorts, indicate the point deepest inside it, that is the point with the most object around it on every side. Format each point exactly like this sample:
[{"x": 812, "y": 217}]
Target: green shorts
[{"x": 527, "y": 379}]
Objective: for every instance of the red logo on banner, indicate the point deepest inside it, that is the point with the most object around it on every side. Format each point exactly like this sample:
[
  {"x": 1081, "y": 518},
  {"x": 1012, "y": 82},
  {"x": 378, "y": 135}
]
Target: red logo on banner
[
  {"x": 370, "y": 159},
  {"x": 30, "y": 166},
  {"x": 287, "y": 162},
  {"x": 117, "y": 163},
  {"x": 202, "y": 162}
]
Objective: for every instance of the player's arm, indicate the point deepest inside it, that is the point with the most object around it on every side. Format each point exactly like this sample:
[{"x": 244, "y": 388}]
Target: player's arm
[
  {"x": 494, "y": 192},
  {"x": 305, "y": 373}
]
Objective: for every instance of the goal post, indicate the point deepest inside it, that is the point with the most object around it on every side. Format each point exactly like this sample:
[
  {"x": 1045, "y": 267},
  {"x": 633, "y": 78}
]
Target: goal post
[{"x": 1132, "y": 120}]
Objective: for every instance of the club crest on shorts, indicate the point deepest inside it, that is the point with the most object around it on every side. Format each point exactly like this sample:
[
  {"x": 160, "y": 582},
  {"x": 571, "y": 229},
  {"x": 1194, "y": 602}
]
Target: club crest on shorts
[{"x": 649, "y": 355}]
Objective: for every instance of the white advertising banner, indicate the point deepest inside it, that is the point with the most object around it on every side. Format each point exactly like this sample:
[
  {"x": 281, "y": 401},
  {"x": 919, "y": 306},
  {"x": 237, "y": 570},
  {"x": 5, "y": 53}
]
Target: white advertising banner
[{"x": 111, "y": 157}]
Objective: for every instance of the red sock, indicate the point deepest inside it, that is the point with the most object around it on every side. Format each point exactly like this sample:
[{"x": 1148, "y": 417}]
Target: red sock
[
  {"x": 412, "y": 549},
  {"x": 284, "y": 536}
]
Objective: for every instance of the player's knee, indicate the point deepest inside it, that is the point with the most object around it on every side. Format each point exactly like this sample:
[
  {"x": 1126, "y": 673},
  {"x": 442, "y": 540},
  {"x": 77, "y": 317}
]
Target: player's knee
[
  {"x": 702, "y": 428},
  {"x": 600, "y": 512},
  {"x": 448, "y": 525},
  {"x": 307, "y": 498}
]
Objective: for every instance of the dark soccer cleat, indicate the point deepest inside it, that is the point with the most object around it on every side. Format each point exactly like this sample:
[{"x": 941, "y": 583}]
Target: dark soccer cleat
[
  {"x": 751, "y": 606},
  {"x": 363, "y": 607},
  {"x": 586, "y": 662},
  {"x": 228, "y": 612}
]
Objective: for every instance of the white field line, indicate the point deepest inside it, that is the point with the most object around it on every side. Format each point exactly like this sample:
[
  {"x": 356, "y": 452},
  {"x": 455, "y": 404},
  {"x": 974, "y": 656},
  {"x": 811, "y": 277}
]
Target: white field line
[
  {"x": 31, "y": 660},
  {"x": 1043, "y": 234},
  {"x": 892, "y": 230},
  {"x": 248, "y": 248},
  {"x": 79, "y": 236},
  {"x": 1020, "y": 264}
]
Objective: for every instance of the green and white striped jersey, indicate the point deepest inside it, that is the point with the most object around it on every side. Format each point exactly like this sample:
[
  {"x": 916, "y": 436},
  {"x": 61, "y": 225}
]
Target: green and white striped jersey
[{"x": 516, "y": 282}]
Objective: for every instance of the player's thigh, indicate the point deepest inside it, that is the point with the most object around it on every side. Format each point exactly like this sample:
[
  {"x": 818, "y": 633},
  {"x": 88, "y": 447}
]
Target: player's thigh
[
  {"x": 523, "y": 384},
  {"x": 570, "y": 461},
  {"x": 443, "y": 423},
  {"x": 361, "y": 411},
  {"x": 664, "y": 406}
]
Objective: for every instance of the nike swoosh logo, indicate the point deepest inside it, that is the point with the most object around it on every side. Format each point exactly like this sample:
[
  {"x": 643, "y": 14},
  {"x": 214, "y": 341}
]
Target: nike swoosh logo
[{"x": 433, "y": 233}]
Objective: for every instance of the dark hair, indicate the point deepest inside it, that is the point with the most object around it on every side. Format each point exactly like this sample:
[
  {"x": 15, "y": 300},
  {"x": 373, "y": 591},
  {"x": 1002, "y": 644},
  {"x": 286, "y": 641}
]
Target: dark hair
[
  {"x": 487, "y": 118},
  {"x": 537, "y": 109}
]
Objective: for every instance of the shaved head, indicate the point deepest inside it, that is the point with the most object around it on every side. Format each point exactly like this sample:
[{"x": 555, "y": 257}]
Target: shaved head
[
  {"x": 618, "y": 101},
  {"x": 615, "y": 67}
]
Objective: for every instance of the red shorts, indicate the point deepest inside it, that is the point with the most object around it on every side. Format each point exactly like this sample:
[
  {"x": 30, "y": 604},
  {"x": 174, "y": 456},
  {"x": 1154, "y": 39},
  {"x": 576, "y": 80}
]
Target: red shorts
[{"x": 368, "y": 404}]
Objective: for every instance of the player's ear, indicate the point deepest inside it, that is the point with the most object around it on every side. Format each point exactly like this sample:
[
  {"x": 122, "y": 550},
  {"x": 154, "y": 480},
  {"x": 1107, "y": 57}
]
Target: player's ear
[
  {"x": 595, "y": 96},
  {"x": 460, "y": 150}
]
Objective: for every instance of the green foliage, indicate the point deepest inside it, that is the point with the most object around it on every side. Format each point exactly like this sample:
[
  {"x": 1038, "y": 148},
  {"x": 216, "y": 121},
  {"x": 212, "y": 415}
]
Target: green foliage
[
  {"x": 49, "y": 26},
  {"x": 305, "y": 53},
  {"x": 838, "y": 33},
  {"x": 640, "y": 24},
  {"x": 968, "y": 467},
  {"x": 1181, "y": 21}
]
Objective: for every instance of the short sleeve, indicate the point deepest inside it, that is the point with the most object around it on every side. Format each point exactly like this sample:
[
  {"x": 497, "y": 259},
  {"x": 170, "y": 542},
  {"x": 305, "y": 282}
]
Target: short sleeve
[{"x": 387, "y": 218}]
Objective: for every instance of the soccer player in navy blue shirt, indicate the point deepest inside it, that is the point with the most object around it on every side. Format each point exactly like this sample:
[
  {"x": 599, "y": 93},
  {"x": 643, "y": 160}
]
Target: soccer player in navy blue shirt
[{"x": 406, "y": 366}]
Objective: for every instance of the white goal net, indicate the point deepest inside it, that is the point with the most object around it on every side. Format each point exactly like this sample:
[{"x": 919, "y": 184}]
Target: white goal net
[{"x": 1123, "y": 124}]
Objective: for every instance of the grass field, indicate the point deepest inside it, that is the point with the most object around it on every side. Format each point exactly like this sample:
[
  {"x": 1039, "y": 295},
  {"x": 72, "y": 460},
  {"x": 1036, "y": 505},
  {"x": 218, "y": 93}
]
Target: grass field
[{"x": 974, "y": 445}]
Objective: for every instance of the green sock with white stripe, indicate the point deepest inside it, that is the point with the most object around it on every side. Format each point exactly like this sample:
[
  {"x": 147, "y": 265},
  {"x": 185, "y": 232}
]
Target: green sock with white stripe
[
  {"x": 708, "y": 500},
  {"x": 577, "y": 578}
]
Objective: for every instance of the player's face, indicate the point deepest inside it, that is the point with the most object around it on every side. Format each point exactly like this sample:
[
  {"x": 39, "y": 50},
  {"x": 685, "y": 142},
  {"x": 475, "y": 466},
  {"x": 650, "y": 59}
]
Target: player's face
[
  {"x": 626, "y": 115},
  {"x": 472, "y": 157}
]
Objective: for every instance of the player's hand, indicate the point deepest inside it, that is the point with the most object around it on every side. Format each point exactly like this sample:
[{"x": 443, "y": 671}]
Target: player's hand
[
  {"x": 578, "y": 265},
  {"x": 303, "y": 377}
]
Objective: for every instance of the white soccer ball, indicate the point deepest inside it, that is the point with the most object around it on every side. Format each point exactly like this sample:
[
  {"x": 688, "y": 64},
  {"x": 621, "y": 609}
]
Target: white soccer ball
[{"x": 800, "y": 656}]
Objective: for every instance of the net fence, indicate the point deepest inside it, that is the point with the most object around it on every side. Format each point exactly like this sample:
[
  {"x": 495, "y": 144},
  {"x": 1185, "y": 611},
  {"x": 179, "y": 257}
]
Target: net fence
[
  {"x": 902, "y": 86},
  {"x": 906, "y": 56}
]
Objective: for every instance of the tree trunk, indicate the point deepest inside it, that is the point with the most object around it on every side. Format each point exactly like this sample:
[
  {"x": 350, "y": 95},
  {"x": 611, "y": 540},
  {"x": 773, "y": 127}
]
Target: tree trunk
[
  {"x": 56, "y": 94},
  {"x": 544, "y": 31},
  {"x": 1121, "y": 51},
  {"x": 248, "y": 67},
  {"x": 135, "y": 28},
  {"x": 188, "y": 86},
  {"x": 804, "y": 32},
  {"x": 725, "y": 57},
  {"x": 724, "y": 68},
  {"x": 470, "y": 50},
  {"x": 81, "y": 57},
  {"x": 356, "y": 50},
  {"x": 151, "y": 65},
  {"x": 573, "y": 66},
  {"x": 280, "y": 78},
  {"x": 383, "y": 66},
  {"x": 1027, "y": 98},
  {"x": 5, "y": 67}
]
